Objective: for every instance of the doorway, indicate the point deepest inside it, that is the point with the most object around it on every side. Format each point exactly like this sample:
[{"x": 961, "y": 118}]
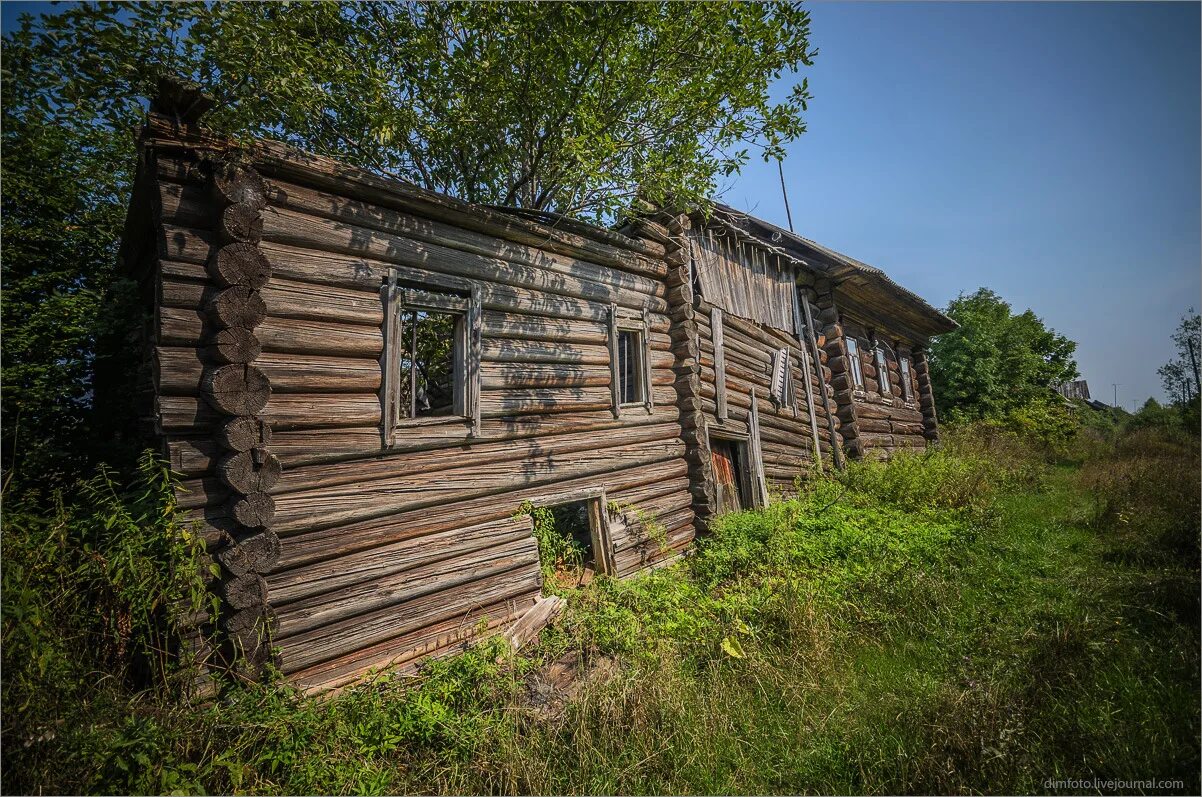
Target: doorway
[{"x": 729, "y": 457}]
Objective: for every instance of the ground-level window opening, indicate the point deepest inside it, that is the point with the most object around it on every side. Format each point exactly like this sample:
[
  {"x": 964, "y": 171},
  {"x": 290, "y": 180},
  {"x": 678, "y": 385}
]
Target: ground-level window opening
[
  {"x": 730, "y": 460},
  {"x": 570, "y": 534}
]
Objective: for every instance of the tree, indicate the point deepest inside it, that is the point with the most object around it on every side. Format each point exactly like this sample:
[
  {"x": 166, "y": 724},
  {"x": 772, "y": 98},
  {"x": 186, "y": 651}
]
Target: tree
[
  {"x": 568, "y": 107},
  {"x": 998, "y": 361},
  {"x": 563, "y": 107},
  {"x": 1180, "y": 376}
]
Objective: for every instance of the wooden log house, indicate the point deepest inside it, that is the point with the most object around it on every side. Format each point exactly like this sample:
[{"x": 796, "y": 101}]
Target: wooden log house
[{"x": 363, "y": 383}]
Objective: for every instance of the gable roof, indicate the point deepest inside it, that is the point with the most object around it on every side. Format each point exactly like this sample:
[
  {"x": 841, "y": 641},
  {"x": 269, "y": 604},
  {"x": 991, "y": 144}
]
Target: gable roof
[{"x": 872, "y": 283}]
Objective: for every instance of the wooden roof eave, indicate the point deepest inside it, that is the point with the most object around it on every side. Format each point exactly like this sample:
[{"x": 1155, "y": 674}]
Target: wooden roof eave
[{"x": 280, "y": 160}]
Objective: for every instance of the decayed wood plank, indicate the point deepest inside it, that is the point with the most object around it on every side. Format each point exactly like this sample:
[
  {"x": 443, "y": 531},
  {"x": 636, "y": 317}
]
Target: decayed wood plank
[
  {"x": 335, "y": 639},
  {"x": 538, "y": 617},
  {"x": 324, "y": 576},
  {"x": 396, "y": 589}
]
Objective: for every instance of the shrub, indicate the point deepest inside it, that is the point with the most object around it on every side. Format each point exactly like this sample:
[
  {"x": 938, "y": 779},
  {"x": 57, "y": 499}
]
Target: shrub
[{"x": 95, "y": 589}]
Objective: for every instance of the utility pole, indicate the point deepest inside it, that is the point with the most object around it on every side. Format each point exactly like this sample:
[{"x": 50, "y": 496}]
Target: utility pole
[
  {"x": 1116, "y": 392},
  {"x": 781, "y": 171}
]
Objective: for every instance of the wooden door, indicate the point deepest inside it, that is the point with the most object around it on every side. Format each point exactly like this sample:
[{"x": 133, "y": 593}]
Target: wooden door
[{"x": 726, "y": 476}]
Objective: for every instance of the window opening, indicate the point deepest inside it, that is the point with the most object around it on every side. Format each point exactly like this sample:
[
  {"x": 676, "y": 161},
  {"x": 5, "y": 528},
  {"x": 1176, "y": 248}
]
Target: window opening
[
  {"x": 631, "y": 387},
  {"x": 882, "y": 372},
  {"x": 569, "y": 535},
  {"x": 432, "y": 350},
  {"x": 853, "y": 355},
  {"x": 904, "y": 365}
]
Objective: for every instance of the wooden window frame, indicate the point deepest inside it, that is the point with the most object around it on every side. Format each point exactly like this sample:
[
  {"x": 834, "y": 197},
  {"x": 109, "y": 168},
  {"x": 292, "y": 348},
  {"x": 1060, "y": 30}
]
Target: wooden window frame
[
  {"x": 884, "y": 384},
  {"x": 463, "y": 300},
  {"x": 905, "y": 368},
  {"x": 640, "y": 325},
  {"x": 853, "y": 362},
  {"x": 604, "y": 556}
]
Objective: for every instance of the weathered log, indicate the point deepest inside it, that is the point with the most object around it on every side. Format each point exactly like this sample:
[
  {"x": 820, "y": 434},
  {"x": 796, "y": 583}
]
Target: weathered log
[
  {"x": 284, "y": 163},
  {"x": 255, "y": 510},
  {"x": 239, "y": 264},
  {"x": 256, "y": 470},
  {"x": 327, "y": 575},
  {"x": 235, "y": 345},
  {"x": 181, "y": 372},
  {"x": 244, "y": 433},
  {"x": 239, "y": 186},
  {"x": 244, "y": 591},
  {"x": 253, "y": 553},
  {"x": 400, "y": 655},
  {"x": 238, "y": 306},
  {"x": 336, "y": 639},
  {"x": 319, "y": 544},
  {"x": 241, "y": 222},
  {"x": 381, "y": 591},
  {"x": 260, "y": 619},
  {"x": 236, "y": 389},
  {"x": 181, "y": 327}
]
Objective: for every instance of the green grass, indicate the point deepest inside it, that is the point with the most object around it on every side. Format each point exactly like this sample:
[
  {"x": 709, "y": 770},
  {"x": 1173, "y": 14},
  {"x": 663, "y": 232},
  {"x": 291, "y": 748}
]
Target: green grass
[{"x": 971, "y": 620}]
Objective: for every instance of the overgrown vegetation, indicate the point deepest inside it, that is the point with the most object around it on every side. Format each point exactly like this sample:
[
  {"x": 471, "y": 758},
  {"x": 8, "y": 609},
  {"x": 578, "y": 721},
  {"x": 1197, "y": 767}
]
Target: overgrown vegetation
[{"x": 981, "y": 617}]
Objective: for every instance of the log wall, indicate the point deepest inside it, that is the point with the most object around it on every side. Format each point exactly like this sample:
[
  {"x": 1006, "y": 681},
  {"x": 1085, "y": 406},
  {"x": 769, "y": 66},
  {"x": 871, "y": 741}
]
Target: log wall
[
  {"x": 742, "y": 350},
  {"x": 885, "y": 420},
  {"x": 382, "y": 552}
]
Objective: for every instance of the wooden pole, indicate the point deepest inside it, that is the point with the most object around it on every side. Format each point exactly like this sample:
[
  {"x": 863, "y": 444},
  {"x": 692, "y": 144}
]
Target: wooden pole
[{"x": 836, "y": 451}]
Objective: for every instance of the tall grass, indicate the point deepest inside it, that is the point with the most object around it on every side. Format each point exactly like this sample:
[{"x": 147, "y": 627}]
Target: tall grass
[{"x": 973, "y": 618}]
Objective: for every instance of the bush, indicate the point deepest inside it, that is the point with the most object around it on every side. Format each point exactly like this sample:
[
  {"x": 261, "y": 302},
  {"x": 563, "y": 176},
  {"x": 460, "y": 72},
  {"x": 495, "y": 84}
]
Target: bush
[
  {"x": 1145, "y": 495},
  {"x": 95, "y": 588}
]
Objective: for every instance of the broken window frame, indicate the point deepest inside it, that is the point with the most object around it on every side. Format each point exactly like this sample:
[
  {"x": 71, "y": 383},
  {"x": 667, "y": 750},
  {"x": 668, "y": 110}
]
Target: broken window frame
[
  {"x": 462, "y": 298},
  {"x": 599, "y": 528}
]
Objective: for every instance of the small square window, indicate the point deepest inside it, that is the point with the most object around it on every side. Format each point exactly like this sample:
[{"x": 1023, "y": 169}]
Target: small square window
[
  {"x": 632, "y": 388},
  {"x": 431, "y": 361}
]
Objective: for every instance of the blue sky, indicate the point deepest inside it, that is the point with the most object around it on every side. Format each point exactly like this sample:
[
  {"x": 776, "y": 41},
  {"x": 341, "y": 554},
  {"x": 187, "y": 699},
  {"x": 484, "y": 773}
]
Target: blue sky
[{"x": 1049, "y": 151}]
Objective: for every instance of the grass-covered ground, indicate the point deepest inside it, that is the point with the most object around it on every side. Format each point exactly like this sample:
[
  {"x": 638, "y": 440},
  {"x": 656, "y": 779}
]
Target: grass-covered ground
[{"x": 977, "y": 619}]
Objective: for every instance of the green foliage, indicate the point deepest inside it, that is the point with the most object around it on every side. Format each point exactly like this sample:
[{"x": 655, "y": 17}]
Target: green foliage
[
  {"x": 557, "y": 550},
  {"x": 1180, "y": 376},
  {"x": 969, "y": 620},
  {"x": 99, "y": 585},
  {"x": 998, "y": 361}
]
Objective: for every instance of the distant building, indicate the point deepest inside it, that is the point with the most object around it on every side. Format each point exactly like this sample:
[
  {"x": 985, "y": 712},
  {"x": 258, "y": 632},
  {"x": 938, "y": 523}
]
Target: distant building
[{"x": 1074, "y": 390}]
